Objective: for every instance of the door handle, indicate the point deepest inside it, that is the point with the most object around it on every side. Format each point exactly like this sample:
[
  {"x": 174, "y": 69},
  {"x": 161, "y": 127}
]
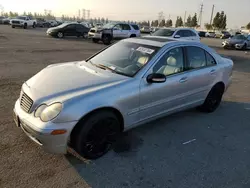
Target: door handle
[
  {"x": 212, "y": 71},
  {"x": 182, "y": 80}
]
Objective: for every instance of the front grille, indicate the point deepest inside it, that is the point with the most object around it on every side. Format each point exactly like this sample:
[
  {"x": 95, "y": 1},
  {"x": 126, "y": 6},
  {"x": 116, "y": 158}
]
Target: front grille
[
  {"x": 16, "y": 22},
  {"x": 26, "y": 102}
]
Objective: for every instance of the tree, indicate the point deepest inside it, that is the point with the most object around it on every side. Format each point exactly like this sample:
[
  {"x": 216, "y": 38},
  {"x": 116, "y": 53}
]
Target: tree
[
  {"x": 208, "y": 26},
  {"x": 189, "y": 20},
  {"x": 95, "y": 20},
  {"x": 102, "y": 20},
  {"x": 216, "y": 21},
  {"x": 223, "y": 20},
  {"x": 169, "y": 23},
  {"x": 107, "y": 20},
  {"x": 162, "y": 23},
  {"x": 148, "y": 23},
  {"x": 194, "y": 21},
  {"x": 248, "y": 26},
  {"x": 179, "y": 22}
]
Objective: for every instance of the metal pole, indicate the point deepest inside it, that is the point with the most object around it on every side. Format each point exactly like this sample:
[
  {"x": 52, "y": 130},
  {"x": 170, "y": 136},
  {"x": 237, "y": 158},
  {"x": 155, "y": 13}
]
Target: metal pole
[{"x": 212, "y": 15}]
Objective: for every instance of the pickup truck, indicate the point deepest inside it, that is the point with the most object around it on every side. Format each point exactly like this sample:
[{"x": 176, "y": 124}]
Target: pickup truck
[{"x": 23, "y": 21}]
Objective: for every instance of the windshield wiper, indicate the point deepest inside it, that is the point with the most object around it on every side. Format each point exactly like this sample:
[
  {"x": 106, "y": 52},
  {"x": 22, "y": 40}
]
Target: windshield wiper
[{"x": 112, "y": 70}]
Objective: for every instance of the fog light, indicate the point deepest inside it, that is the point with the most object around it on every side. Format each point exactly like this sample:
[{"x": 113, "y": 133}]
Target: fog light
[{"x": 58, "y": 132}]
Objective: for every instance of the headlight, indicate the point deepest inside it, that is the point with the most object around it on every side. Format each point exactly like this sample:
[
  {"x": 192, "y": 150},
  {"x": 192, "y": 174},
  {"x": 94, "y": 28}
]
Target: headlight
[{"x": 47, "y": 113}]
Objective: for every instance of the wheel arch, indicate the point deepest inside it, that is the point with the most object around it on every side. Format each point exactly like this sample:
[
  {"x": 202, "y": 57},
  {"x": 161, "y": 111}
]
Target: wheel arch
[
  {"x": 220, "y": 84},
  {"x": 117, "y": 113}
]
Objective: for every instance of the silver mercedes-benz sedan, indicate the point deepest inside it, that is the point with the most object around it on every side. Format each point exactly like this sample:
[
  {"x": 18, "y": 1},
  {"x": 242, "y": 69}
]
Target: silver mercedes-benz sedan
[{"x": 87, "y": 104}]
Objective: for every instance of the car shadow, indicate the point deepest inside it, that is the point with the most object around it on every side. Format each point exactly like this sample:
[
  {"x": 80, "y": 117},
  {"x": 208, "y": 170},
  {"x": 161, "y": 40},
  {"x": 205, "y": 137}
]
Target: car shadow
[{"x": 180, "y": 150}]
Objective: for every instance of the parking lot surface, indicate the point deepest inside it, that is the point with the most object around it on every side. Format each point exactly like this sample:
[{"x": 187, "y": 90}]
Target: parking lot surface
[{"x": 184, "y": 150}]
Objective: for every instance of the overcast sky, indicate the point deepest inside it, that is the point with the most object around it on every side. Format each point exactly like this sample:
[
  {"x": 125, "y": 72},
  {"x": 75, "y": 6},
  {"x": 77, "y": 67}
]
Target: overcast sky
[{"x": 238, "y": 11}]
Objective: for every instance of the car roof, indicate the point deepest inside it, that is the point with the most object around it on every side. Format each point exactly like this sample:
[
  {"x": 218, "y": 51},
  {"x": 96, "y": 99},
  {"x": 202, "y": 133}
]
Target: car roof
[{"x": 158, "y": 41}]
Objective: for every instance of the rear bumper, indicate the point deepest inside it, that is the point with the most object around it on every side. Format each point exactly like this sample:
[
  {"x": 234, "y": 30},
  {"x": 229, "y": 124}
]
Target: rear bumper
[{"x": 42, "y": 136}]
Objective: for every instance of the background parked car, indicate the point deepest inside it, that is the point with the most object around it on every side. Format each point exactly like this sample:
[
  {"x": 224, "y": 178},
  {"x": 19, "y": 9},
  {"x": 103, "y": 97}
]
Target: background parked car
[
  {"x": 53, "y": 23},
  {"x": 202, "y": 33},
  {"x": 112, "y": 31},
  {"x": 68, "y": 29},
  {"x": 5, "y": 21},
  {"x": 41, "y": 22},
  {"x": 23, "y": 21},
  {"x": 210, "y": 34},
  {"x": 222, "y": 34},
  {"x": 145, "y": 29},
  {"x": 241, "y": 42},
  {"x": 183, "y": 33}
]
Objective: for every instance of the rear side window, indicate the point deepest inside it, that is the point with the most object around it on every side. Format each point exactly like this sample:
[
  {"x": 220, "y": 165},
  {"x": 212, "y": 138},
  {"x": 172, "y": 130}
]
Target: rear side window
[
  {"x": 194, "y": 34},
  {"x": 136, "y": 27},
  {"x": 196, "y": 57},
  {"x": 72, "y": 26},
  {"x": 125, "y": 27},
  {"x": 210, "y": 59}
]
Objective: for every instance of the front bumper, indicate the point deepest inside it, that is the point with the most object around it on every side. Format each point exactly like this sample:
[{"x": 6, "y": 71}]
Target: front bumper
[
  {"x": 17, "y": 25},
  {"x": 94, "y": 35},
  {"x": 40, "y": 132}
]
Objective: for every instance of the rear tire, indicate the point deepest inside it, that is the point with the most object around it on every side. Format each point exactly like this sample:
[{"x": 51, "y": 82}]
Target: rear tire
[
  {"x": 34, "y": 25},
  {"x": 213, "y": 99},
  {"x": 244, "y": 47},
  {"x": 94, "y": 136}
]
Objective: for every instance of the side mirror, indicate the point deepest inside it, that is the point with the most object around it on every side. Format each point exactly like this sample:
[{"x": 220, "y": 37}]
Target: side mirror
[
  {"x": 177, "y": 36},
  {"x": 156, "y": 78}
]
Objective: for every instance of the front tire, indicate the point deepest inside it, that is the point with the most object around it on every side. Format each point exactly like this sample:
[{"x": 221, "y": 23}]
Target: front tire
[
  {"x": 106, "y": 39},
  {"x": 60, "y": 35},
  {"x": 25, "y": 26},
  {"x": 95, "y": 40},
  {"x": 34, "y": 25},
  {"x": 213, "y": 99},
  {"x": 94, "y": 136},
  {"x": 13, "y": 26},
  {"x": 244, "y": 47}
]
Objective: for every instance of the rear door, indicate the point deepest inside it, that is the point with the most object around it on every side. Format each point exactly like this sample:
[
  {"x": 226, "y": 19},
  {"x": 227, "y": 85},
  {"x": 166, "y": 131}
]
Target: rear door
[
  {"x": 81, "y": 30},
  {"x": 70, "y": 30},
  {"x": 126, "y": 30},
  {"x": 202, "y": 72}
]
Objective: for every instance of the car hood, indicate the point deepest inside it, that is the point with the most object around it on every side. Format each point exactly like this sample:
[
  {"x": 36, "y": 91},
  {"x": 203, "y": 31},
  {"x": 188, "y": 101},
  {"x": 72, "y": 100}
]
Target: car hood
[
  {"x": 235, "y": 41},
  {"x": 67, "y": 79}
]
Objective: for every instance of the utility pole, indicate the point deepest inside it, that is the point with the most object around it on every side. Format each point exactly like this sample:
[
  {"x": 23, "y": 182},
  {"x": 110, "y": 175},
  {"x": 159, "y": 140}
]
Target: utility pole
[
  {"x": 88, "y": 13},
  {"x": 83, "y": 14},
  {"x": 185, "y": 18},
  {"x": 79, "y": 13},
  {"x": 200, "y": 15},
  {"x": 212, "y": 14}
]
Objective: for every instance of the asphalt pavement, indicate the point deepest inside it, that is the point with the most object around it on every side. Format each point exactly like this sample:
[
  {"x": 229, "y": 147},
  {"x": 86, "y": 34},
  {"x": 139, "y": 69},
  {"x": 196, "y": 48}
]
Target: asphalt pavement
[{"x": 185, "y": 150}]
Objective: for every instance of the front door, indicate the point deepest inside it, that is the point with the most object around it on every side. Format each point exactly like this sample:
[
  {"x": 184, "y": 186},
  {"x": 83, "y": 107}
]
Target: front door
[
  {"x": 70, "y": 30},
  {"x": 161, "y": 98},
  {"x": 117, "y": 31}
]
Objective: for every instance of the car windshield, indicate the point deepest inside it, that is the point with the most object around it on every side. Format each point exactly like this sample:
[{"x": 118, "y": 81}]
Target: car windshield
[
  {"x": 239, "y": 37},
  {"x": 109, "y": 26},
  {"x": 164, "y": 32},
  {"x": 125, "y": 58},
  {"x": 21, "y": 17}
]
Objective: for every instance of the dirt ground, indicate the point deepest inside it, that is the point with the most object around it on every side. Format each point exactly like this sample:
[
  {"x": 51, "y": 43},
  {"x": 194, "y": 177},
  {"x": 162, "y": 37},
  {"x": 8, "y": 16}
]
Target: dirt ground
[{"x": 153, "y": 155}]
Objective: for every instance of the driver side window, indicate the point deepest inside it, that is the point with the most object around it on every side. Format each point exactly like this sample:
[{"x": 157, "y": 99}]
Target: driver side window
[
  {"x": 171, "y": 63},
  {"x": 118, "y": 27}
]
